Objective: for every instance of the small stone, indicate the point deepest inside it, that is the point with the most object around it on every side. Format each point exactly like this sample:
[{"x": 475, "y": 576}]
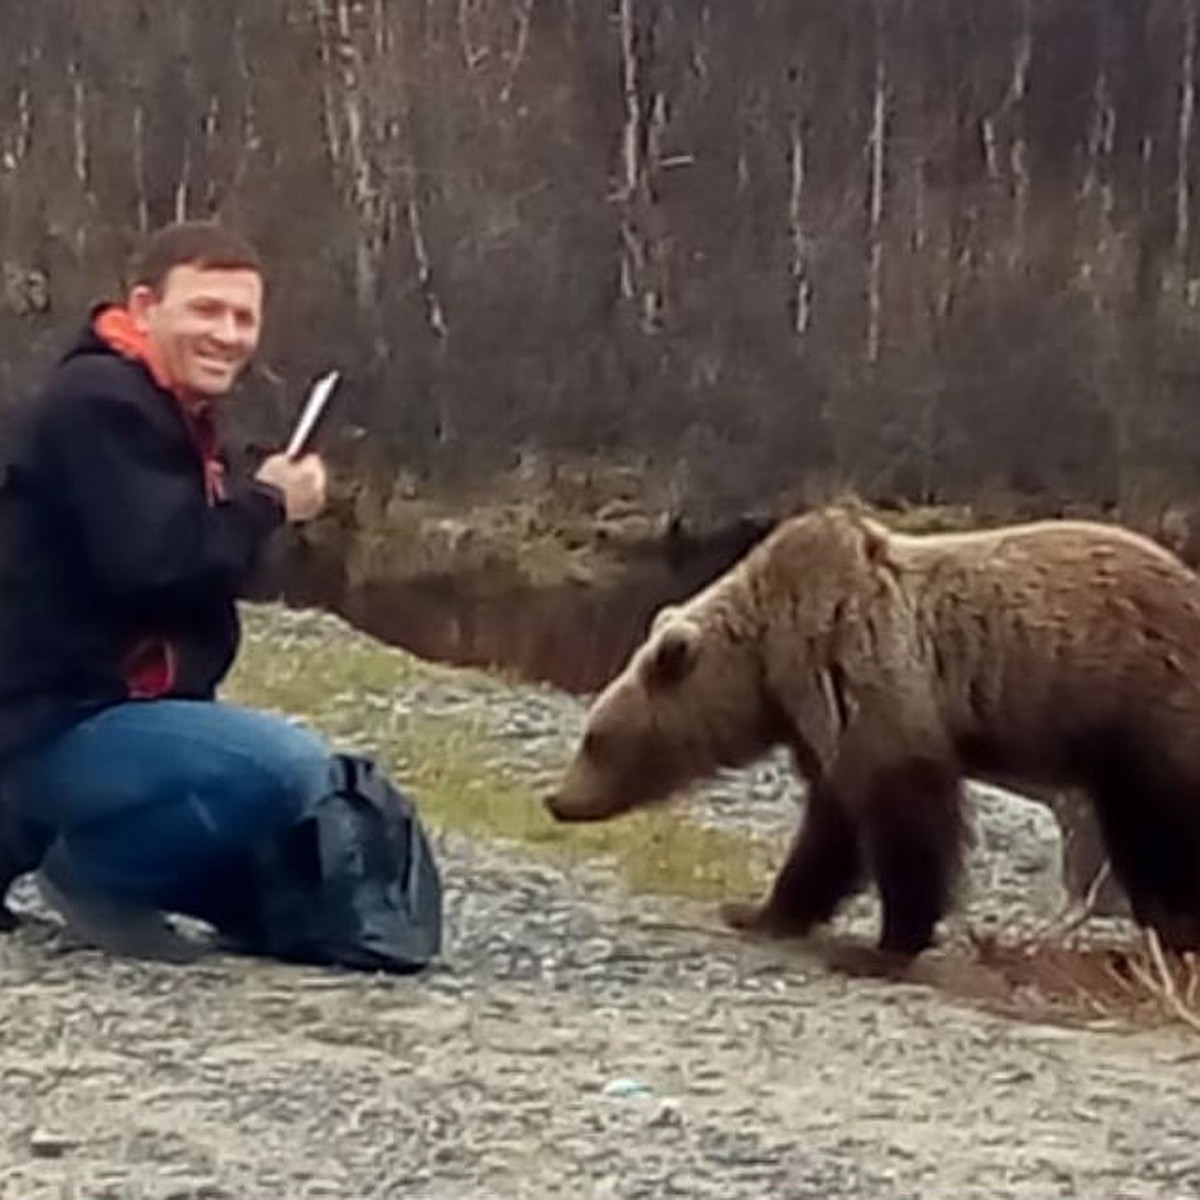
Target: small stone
[
  {"x": 625, "y": 1089},
  {"x": 666, "y": 1115},
  {"x": 45, "y": 1143}
]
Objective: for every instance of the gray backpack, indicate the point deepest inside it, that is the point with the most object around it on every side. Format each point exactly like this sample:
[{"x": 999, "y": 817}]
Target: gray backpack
[{"x": 353, "y": 883}]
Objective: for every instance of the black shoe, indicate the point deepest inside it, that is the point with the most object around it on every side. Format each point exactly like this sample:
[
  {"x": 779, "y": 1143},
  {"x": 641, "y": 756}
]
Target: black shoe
[
  {"x": 121, "y": 928},
  {"x": 11, "y": 869}
]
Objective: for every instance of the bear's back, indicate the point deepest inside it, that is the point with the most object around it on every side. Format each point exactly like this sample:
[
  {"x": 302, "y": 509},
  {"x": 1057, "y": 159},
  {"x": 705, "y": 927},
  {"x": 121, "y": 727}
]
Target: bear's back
[{"x": 1057, "y": 626}]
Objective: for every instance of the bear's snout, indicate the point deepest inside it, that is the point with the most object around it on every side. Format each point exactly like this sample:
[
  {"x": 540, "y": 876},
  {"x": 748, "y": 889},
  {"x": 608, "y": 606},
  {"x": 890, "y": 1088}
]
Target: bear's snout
[{"x": 560, "y": 810}]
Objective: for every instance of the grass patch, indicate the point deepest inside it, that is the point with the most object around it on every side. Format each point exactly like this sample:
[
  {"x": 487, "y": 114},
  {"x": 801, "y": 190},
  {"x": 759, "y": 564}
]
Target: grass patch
[
  {"x": 349, "y": 688},
  {"x": 658, "y": 850}
]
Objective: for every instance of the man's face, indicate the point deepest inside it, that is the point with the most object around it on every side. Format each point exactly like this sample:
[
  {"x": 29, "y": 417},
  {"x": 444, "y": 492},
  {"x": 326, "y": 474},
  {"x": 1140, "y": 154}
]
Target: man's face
[{"x": 204, "y": 325}]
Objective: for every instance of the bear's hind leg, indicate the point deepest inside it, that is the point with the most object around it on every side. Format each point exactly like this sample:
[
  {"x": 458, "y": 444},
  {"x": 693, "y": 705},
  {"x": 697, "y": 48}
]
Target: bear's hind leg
[
  {"x": 823, "y": 866},
  {"x": 1153, "y": 844},
  {"x": 913, "y": 832}
]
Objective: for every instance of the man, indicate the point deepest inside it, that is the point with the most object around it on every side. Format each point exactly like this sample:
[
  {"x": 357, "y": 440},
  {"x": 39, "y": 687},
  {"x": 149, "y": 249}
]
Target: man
[{"x": 124, "y": 540}]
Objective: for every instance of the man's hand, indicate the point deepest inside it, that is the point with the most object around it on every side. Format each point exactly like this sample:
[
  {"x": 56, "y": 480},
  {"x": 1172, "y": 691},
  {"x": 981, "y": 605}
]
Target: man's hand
[{"x": 301, "y": 480}]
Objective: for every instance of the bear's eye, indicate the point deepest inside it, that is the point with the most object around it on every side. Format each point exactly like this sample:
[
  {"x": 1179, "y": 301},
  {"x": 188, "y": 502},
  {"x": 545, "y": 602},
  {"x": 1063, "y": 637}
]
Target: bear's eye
[{"x": 595, "y": 744}]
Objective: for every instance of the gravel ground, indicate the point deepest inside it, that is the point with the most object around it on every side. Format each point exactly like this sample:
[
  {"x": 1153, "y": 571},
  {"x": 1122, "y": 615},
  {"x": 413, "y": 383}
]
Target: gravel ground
[{"x": 578, "y": 1041}]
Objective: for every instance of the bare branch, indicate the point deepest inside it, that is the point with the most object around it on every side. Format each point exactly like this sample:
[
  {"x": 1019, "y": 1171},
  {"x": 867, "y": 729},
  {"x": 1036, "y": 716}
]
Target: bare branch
[
  {"x": 801, "y": 283},
  {"x": 249, "y": 142},
  {"x": 139, "y": 167},
  {"x": 1074, "y": 914},
  {"x": 524, "y": 16},
  {"x": 329, "y": 118},
  {"x": 433, "y": 305},
  {"x": 181, "y": 188},
  {"x": 1019, "y": 152},
  {"x": 1187, "y": 106},
  {"x": 24, "y": 120},
  {"x": 641, "y": 266},
  {"x": 878, "y": 134},
  {"x": 631, "y": 130},
  {"x": 362, "y": 189},
  {"x": 380, "y": 29},
  {"x": 472, "y": 55},
  {"x": 1162, "y": 985},
  {"x": 250, "y": 135},
  {"x": 209, "y": 125},
  {"x": 79, "y": 124}
]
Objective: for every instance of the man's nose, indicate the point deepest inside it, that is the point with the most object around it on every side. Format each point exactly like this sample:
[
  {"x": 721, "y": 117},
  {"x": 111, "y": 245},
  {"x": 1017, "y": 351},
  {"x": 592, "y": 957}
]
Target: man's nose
[{"x": 225, "y": 328}]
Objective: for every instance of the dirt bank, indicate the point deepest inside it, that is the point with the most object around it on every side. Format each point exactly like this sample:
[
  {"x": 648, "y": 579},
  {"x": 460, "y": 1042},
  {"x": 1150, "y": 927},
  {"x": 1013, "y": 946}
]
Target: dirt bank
[
  {"x": 553, "y": 580},
  {"x": 552, "y": 573}
]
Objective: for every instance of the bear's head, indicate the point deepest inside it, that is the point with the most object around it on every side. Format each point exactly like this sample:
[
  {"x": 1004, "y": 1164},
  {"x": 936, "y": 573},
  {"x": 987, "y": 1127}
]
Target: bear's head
[
  {"x": 751, "y": 661},
  {"x": 689, "y": 700}
]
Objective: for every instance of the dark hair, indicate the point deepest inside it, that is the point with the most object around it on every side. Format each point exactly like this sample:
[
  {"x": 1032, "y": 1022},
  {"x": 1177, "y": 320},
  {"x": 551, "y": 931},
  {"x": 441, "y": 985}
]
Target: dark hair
[{"x": 192, "y": 243}]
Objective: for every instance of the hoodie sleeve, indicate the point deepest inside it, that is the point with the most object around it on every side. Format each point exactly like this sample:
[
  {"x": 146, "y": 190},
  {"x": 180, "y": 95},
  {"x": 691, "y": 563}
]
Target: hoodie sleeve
[{"x": 131, "y": 486}]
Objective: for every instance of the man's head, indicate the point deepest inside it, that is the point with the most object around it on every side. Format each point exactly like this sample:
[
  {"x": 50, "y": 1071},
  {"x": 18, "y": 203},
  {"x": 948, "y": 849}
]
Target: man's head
[{"x": 197, "y": 293}]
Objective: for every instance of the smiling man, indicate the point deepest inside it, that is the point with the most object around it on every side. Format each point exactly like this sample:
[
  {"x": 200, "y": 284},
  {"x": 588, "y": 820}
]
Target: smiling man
[{"x": 125, "y": 539}]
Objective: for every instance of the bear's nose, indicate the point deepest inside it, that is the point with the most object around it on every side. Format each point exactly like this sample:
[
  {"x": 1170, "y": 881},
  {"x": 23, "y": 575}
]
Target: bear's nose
[{"x": 560, "y": 809}]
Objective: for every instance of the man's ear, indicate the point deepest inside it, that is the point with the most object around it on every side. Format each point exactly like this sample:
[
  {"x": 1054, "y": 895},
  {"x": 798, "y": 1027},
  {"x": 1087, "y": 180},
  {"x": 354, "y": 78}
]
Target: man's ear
[
  {"x": 673, "y": 654},
  {"x": 140, "y": 302}
]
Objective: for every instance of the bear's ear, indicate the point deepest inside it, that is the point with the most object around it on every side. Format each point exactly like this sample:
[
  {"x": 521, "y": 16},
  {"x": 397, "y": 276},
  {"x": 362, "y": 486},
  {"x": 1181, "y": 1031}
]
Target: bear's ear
[
  {"x": 876, "y": 545},
  {"x": 662, "y": 618},
  {"x": 673, "y": 654}
]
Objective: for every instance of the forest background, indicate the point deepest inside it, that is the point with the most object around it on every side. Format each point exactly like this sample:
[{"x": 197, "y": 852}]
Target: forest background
[{"x": 636, "y": 267}]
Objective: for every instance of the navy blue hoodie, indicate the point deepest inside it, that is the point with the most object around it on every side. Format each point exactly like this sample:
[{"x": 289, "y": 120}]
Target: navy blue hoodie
[{"x": 123, "y": 543}]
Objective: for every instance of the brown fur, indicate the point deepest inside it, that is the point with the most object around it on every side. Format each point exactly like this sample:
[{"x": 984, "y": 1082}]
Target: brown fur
[{"x": 1053, "y": 654}]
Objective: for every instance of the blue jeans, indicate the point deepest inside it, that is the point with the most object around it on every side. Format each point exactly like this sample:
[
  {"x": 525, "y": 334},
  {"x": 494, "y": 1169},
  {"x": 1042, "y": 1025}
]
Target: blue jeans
[{"x": 159, "y": 802}]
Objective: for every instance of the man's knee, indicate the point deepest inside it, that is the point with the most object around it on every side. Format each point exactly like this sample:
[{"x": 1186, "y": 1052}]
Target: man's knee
[{"x": 299, "y": 762}]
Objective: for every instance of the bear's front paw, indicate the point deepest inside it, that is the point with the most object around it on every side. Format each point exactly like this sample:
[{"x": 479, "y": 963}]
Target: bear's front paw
[
  {"x": 761, "y": 919},
  {"x": 741, "y": 914},
  {"x": 867, "y": 962}
]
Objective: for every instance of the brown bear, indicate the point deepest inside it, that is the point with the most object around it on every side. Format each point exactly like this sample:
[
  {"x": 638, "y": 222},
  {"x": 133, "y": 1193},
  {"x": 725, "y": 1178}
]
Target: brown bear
[{"x": 1052, "y": 654}]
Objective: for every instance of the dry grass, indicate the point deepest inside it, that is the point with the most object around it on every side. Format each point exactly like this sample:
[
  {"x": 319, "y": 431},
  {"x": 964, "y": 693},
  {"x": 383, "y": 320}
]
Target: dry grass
[{"x": 1126, "y": 982}]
